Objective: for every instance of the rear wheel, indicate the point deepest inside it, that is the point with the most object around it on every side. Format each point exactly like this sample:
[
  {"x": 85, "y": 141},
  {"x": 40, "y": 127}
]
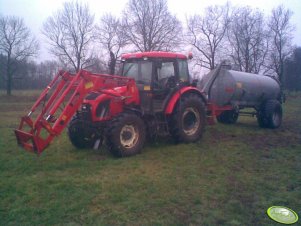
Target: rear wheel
[
  {"x": 187, "y": 122},
  {"x": 126, "y": 135},
  {"x": 228, "y": 117},
  {"x": 270, "y": 115},
  {"x": 81, "y": 135}
]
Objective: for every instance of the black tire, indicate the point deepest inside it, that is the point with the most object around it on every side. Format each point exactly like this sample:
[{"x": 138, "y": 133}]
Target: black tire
[
  {"x": 261, "y": 119},
  {"x": 228, "y": 117},
  {"x": 126, "y": 135},
  {"x": 81, "y": 135},
  {"x": 270, "y": 115},
  {"x": 187, "y": 122}
]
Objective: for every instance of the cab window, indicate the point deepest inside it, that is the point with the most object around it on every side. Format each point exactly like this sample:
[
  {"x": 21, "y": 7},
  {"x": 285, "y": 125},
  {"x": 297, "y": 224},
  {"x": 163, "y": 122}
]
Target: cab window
[
  {"x": 166, "y": 70},
  {"x": 131, "y": 70},
  {"x": 146, "y": 72},
  {"x": 141, "y": 71},
  {"x": 183, "y": 70}
]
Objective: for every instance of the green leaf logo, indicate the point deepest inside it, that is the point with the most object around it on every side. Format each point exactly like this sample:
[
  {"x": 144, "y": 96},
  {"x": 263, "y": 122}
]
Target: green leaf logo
[{"x": 282, "y": 215}]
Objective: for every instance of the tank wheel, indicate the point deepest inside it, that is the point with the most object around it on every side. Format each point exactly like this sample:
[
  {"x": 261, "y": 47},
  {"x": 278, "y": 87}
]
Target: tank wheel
[
  {"x": 126, "y": 135},
  {"x": 228, "y": 117},
  {"x": 270, "y": 115},
  {"x": 262, "y": 122},
  {"x": 82, "y": 136},
  {"x": 187, "y": 122}
]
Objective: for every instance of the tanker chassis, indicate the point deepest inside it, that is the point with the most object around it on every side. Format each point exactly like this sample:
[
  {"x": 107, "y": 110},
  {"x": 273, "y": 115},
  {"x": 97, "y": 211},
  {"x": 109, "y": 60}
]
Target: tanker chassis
[{"x": 229, "y": 92}]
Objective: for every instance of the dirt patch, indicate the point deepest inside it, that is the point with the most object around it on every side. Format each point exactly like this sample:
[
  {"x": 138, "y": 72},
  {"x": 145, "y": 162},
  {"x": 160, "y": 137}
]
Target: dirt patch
[
  {"x": 260, "y": 142},
  {"x": 221, "y": 136},
  {"x": 97, "y": 157},
  {"x": 182, "y": 215}
]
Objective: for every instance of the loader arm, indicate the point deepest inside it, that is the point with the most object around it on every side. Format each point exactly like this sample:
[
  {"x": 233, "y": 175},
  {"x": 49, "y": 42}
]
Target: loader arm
[{"x": 59, "y": 102}]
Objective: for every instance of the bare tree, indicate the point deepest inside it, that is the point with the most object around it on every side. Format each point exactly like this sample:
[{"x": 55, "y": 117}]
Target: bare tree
[
  {"x": 16, "y": 44},
  {"x": 292, "y": 70},
  {"x": 111, "y": 36},
  {"x": 206, "y": 33},
  {"x": 150, "y": 26},
  {"x": 281, "y": 36},
  {"x": 248, "y": 39},
  {"x": 70, "y": 33}
]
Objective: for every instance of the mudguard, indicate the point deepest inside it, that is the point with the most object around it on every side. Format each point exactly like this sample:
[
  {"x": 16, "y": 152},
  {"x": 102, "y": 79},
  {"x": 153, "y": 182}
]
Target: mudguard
[{"x": 183, "y": 91}]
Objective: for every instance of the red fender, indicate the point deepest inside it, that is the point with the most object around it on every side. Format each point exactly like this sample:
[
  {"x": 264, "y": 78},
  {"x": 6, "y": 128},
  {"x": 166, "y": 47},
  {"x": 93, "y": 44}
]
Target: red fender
[{"x": 174, "y": 99}]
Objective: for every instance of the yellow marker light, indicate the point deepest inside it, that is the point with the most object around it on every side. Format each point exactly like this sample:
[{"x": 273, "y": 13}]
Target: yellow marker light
[
  {"x": 88, "y": 85},
  {"x": 239, "y": 85},
  {"x": 146, "y": 88}
]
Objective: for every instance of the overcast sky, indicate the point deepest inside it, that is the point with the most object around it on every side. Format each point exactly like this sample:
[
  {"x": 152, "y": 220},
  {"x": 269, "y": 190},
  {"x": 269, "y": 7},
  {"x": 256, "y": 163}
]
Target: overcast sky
[{"x": 35, "y": 12}]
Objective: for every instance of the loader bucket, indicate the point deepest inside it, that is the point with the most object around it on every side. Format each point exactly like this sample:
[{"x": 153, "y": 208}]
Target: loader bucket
[
  {"x": 33, "y": 140},
  {"x": 57, "y": 104},
  {"x": 51, "y": 113},
  {"x": 28, "y": 141}
]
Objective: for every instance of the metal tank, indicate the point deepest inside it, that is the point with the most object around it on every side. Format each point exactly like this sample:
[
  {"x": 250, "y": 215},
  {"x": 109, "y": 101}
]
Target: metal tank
[{"x": 239, "y": 89}]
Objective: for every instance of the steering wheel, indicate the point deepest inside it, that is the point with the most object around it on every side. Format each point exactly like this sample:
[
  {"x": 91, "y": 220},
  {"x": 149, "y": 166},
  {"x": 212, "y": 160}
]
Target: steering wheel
[{"x": 168, "y": 82}]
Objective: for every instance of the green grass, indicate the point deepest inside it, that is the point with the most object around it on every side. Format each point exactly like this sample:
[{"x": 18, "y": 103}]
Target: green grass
[{"x": 230, "y": 177}]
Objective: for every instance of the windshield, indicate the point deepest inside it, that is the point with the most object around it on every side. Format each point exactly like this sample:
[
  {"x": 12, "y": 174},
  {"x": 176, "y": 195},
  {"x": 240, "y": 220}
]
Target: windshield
[
  {"x": 141, "y": 71},
  {"x": 130, "y": 70}
]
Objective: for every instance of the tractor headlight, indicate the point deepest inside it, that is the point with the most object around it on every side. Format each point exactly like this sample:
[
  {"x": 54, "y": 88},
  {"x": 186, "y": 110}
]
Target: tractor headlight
[{"x": 85, "y": 107}]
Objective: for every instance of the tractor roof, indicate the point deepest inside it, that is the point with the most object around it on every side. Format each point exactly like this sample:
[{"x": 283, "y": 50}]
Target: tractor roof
[{"x": 154, "y": 54}]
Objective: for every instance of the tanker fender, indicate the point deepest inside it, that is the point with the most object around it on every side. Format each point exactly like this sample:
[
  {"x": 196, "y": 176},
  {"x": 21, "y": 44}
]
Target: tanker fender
[{"x": 185, "y": 91}]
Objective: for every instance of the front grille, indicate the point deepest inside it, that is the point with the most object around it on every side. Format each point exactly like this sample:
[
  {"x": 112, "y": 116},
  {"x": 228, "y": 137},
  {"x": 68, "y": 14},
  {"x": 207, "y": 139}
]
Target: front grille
[{"x": 85, "y": 112}]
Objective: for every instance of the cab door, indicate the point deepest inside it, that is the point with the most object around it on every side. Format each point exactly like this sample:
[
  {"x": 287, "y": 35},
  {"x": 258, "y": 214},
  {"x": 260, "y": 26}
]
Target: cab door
[
  {"x": 165, "y": 78},
  {"x": 141, "y": 70},
  {"x": 144, "y": 85}
]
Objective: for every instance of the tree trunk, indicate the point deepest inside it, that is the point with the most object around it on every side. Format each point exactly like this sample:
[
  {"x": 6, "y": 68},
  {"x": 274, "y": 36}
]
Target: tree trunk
[
  {"x": 9, "y": 85},
  {"x": 9, "y": 77},
  {"x": 281, "y": 72},
  {"x": 112, "y": 63}
]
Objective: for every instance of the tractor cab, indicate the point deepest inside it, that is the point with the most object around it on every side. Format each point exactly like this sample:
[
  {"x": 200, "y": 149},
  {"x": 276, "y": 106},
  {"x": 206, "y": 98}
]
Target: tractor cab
[{"x": 158, "y": 76}]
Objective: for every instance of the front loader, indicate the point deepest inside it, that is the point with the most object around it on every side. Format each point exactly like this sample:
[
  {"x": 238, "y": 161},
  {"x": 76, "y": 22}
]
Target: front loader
[{"x": 153, "y": 96}]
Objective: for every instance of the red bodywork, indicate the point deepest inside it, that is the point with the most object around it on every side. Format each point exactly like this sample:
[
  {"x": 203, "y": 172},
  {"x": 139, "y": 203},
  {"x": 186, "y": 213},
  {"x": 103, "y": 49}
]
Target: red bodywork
[
  {"x": 49, "y": 116},
  {"x": 213, "y": 110},
  {"x": 155, "y": 54},
  {"x": 61, "y": 99},
  {"x": 174, "y": 99}
]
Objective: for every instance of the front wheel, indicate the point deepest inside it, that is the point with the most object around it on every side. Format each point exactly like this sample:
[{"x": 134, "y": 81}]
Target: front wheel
[
  {"x": 126, "y": 135},
  {"x": 187, "y": 122},
  {"x": 81, "y": 135}
]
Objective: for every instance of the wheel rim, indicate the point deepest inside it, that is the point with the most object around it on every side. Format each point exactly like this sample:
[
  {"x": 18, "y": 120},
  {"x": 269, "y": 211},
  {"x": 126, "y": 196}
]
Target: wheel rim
[
  {"x": 129, "y": 136},
  {"x": 191, "y": 121}
]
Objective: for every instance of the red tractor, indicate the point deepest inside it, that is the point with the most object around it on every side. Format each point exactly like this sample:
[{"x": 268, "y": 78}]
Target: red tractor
[{"x": 153, "y": 96}]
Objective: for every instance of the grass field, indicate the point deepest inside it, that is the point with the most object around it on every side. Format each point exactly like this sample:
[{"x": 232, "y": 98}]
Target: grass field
[{"x": 230, "y": 177}]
